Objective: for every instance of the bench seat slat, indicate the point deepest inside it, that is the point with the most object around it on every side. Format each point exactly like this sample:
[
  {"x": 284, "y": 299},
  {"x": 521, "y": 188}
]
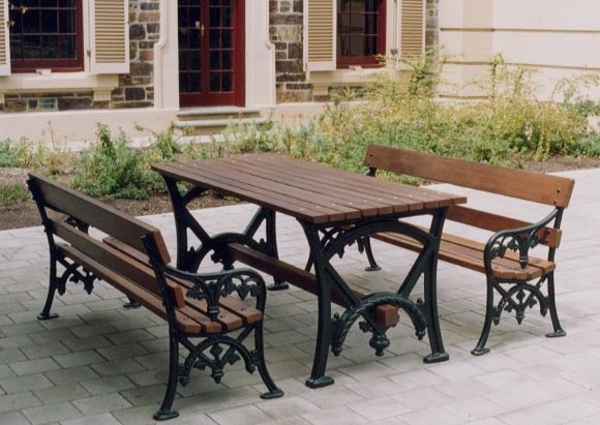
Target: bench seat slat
[
  {"x": 187, "y": 320},
  {"x": 234, "y": 312},
  {"x": 469, "y": 254}
]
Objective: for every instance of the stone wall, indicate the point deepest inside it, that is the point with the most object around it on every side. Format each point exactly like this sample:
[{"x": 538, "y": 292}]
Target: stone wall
[
  {"x": 285, "y": 30},
  {"x": 286, "y": 33},
  {"x": 135, "y": 90}
]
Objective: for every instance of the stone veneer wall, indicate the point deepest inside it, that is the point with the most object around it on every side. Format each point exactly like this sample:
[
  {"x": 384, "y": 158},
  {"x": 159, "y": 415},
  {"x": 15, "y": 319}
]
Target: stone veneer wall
[
  {"x": 135, "y": 90},
  {"x": 286, "y": 33},
  {"x": 285, "y": 30}
]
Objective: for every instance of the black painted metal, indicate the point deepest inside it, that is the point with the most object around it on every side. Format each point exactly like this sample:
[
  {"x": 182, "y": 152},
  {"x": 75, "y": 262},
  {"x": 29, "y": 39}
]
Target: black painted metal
[
  {"x": 326, "y": 241},
  {"x": 214, "y": 351},
  {"x": 520, "y": 295}
]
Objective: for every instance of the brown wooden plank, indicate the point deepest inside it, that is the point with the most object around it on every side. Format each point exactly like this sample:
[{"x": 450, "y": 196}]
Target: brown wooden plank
[
  {"x": 234, "y": 312},
  {"x": 368, "y": 203},
  {"x": 303, "y": 210},
  {"x": 108, "y": 256},
  {"x": 97, "y": 214},
  {"x": 188, "y": 320},
  {"x": 494, "y": 222},
  {"x": 469, "y": 254},
  {"x": 385, "y": 315},
  {"x": 402, "y": 197},
  {"x": 537, "y": 187}
]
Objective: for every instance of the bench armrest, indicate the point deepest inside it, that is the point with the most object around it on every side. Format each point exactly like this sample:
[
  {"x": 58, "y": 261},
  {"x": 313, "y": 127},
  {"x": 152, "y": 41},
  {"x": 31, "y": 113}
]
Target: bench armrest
[
  {"x": 212, "y": 287},
  {"x": 519, "y": 240}
]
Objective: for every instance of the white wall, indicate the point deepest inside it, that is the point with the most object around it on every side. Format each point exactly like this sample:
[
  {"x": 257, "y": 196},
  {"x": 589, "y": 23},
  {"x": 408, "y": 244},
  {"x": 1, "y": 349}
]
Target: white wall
[{"x": 556, "y": 38}]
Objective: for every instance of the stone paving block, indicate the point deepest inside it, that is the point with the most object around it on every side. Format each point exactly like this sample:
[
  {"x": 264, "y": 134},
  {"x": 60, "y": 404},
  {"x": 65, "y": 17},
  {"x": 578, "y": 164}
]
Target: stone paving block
[
  {"x": 101, "y": 419},
  {"x": 107, "y": 385},
  {"x": 432, "y": 415},
  {"x": 244, "y": 415},
  {"x": 334, "y": 416},
  {"x": 25, "y": 383},
  {"x": 117, "y": 367},
  {"x": 146, "y": 395},
  {"x": 35, "y": 366},
  {"x": 59, "y": 393},
  {"x": 122, "y": 351},
  {"x": 12, "y": 402},
  {"x": 10, "y": 355},
  {"x": 70, "y": 375},
  {"x": 380, "y": 408},
  {"x": 51, "y": 412},
  {"x": 81, "y": 358},
  {"x": 101, "y": 403},
  {"x": 13, "y": 418}
]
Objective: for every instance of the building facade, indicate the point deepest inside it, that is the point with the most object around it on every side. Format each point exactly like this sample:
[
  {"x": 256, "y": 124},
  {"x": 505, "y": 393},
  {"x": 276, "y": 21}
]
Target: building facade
[
  {"x": 67, "y": 65},
  {"x": 64, "y": 66}
]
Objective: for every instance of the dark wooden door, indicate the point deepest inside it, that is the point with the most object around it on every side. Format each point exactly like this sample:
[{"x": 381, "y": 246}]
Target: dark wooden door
[{"x": 211, "y": 52}]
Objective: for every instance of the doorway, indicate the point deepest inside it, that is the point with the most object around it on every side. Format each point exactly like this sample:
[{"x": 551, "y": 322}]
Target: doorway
[{"x": 211, "y": 52}]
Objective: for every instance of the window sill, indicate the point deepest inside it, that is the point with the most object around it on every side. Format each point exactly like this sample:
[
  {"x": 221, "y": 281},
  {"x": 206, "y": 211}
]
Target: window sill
[{"x": 51, "y": 82}]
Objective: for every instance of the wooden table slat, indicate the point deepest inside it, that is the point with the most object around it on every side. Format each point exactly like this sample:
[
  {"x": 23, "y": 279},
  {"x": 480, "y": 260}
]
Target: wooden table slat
[
  {"x": 369, "y": 203},
  {"x": 296, "y": 208},
  {"x": 411, "y": 196}
]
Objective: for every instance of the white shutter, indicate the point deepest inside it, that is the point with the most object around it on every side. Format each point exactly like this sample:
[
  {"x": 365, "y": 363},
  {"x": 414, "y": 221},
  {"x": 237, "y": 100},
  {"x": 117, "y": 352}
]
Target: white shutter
[
  {"x": 109, "y": 36},
  {"x": 319, "y": 36},
  {"x": 412, "y": 28},
  {"x": 4, "y": 39}
]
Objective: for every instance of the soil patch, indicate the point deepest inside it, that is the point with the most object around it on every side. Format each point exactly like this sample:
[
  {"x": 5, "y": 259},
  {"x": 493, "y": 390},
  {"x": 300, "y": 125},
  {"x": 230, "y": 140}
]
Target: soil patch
[{"x": 25, "y": 214}]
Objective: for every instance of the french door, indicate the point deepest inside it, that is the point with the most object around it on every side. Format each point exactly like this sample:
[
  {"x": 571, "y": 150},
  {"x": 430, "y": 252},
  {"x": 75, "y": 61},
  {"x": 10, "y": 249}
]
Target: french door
[{"x": 211, "y": 52}]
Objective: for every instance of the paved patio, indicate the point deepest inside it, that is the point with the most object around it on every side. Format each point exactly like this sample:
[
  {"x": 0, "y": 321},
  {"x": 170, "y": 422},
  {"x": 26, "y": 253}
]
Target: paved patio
[{"x": 100, "y": 364}]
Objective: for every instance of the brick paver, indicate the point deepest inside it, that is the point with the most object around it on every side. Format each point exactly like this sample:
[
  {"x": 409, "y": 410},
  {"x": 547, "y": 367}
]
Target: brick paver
[{"x": 101, "y": 364}]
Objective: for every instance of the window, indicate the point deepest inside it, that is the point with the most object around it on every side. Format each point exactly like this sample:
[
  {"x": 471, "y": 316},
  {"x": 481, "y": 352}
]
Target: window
[
  {"x": 46, "y": 34},
  {"x": 360, "y": 32},
  {"x": 341, "y": 33}
]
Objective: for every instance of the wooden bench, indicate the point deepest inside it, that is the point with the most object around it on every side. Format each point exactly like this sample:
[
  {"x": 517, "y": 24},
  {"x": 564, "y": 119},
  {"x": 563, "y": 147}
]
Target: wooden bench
[
  {"x": 209, "y": 314},
  {"x": 504, "y": 258}
]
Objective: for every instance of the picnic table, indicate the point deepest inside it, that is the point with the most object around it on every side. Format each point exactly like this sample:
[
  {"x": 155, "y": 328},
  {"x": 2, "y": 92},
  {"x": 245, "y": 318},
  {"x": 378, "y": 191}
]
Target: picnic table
[{"x": 335, "y": 209}]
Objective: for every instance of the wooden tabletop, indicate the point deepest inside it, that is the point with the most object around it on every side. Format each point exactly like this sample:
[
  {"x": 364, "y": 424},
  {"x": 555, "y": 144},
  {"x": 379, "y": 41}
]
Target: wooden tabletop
[{"x": 307, "y": 191}]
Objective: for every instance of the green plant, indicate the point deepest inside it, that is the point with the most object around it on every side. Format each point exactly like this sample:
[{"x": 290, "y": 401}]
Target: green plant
[
  {"x": 12, "y": 194},
  {"x": 111, "y": 168}
]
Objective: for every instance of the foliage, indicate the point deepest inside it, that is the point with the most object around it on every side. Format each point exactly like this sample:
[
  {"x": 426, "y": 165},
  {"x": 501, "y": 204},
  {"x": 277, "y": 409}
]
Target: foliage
[
  {"x": 12, "y": 194},
  {"x": 112, "y": 168},
  {"x": 506, "y": 128}
]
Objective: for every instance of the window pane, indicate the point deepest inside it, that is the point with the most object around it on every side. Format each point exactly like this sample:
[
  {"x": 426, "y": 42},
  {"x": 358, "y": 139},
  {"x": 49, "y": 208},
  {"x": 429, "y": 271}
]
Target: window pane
[
  {"x": 358, "y": 31},
  {"x": 67, "y": 47},
  {"x": 49, "y": 48},
  {"x": 45, "y": 34}
]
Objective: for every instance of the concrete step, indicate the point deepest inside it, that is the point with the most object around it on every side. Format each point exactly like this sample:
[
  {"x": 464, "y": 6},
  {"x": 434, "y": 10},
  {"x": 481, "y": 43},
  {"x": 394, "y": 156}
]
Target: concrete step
[{"x": 213, "y": 120}]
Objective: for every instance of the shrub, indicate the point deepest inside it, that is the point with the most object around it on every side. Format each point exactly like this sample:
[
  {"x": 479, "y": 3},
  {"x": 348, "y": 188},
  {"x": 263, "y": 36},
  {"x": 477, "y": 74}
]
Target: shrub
[
  {"x": 111, "y": 168},
  {"x": 12, "y": 194}
]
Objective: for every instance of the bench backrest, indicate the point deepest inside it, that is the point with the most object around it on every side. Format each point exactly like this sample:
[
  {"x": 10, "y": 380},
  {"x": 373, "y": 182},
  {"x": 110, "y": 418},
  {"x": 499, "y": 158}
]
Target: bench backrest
[
  {"x": 52, "y": 196},
  {"x": 526, "y": 185}
]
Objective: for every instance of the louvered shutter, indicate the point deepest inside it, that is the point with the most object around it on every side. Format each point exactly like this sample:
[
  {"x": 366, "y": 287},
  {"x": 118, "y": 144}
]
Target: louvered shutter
[
  {"x": 412, "y": 28},
  {"x": 320, "y": 21},
  {"x": 4, "y": 45},
  {"x": 109, "y": 37}
]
